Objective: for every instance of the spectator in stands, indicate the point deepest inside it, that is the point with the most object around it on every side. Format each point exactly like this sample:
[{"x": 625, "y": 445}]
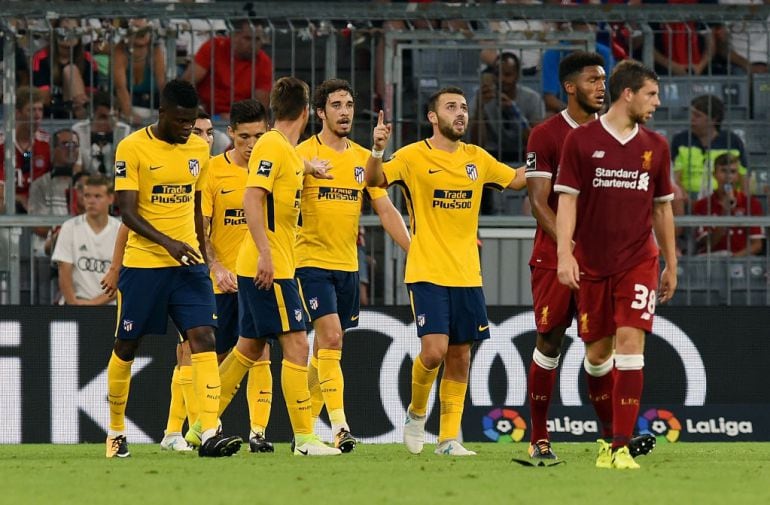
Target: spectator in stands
[
  {"x": 529, "y": 57},
  {"x": 733, "y": 41},
  {"x": 99, "y": 136},
  {"x": 695, "y": 150},
  {"x": 139, "y": 72},
  {"x": 553, "y": 93},
  {"x": 232, "y": 63},
  {"x": 48, "y": 194},
  {"x": 84, "y": 249},
  {"x": 682, "y": 47},
  {"x": 33, "y": 151},
  {"x": 728, "y": 200},
  {"x": 503, "y": 124},
  {"x": 65, "y": 72}
]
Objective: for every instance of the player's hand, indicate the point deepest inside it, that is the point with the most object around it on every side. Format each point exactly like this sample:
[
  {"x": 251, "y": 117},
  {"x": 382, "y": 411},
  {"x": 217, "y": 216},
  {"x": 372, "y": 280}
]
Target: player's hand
[
  {"x": 183, "y": 252},
  {"x": 568, "y": 271},
  {"x": 318, "y": 168},
  {"x": 109, "y": 282},
  {"x": 265, "y": 272},
  {"x": 381, "y": 133},
  {"x": 225, "y": 279},
  {"x": 667, "y": 286}
]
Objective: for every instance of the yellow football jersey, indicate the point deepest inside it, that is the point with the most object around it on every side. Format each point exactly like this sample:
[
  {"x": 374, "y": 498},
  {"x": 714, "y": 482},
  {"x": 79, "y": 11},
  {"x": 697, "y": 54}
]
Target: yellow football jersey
[
  {"x": 275, "y": 167},
  {"x": 166, "y": 177},
  {"x": 331, "y": 208},
  {"x": 443, "y": 193},
  {"x": 222, "y": 201}
]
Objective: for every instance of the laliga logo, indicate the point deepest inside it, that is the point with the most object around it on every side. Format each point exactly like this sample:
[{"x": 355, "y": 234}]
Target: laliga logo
[
  {"x": 500, "y": 346},
  {"x": 659, "y": 422},
  {"x": 504, "y": 425}
]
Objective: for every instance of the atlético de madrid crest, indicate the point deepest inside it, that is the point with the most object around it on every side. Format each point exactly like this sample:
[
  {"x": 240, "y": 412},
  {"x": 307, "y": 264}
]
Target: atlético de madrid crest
[
  {"x": 195, "y": 167},
  {"x": 470, "y": 169},
  {"x": 359, "y": 173}
]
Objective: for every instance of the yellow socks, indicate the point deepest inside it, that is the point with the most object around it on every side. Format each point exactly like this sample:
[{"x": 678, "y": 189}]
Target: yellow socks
[
  {"x": 297, "y": 395},
  {"x": 118, "y": 382},
  {"x": 259, "y": 392},
  {"x": 205, "y": 376},
  {"x": 316, "y": 397},
  {"x": 452, "y": 396},
  {"x": 422, "y": 382},
  {"x": 176, "y": 408},
  {"x": 231, "y": 372},
  {"x": 188, "y": 391},
  {"x": 332, "y": 386}
]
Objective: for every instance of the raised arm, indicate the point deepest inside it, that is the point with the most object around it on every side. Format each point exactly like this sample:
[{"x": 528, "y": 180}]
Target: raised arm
[{"x": 380, "y": 137}]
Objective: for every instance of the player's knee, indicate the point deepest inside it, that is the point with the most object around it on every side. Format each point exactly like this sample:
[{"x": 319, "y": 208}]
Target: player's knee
[
  {"x": 125, "y": 349},
  {"x": 332, "y": 340},
  {"x": 201, "y": 340},
  {"x": 295, "y": 347}
]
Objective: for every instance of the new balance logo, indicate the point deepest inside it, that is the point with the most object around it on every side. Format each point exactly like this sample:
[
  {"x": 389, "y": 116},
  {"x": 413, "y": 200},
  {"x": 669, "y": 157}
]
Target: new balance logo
[{"x": 598, "y": 154}]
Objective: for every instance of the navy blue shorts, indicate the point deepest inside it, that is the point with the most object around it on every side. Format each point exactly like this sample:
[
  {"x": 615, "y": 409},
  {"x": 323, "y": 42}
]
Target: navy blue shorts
[
  {"x": 267, "y": 314},
  {"x": 227, "y": 317},
  {"x": 330, "y": 292},
  {"x": 460, "y": 313},
  {"x": 147, "y": 297}
]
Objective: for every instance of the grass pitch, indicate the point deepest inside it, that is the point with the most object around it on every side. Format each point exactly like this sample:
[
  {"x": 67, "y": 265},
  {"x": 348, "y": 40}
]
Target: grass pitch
[{"x": 683, "y": 473}]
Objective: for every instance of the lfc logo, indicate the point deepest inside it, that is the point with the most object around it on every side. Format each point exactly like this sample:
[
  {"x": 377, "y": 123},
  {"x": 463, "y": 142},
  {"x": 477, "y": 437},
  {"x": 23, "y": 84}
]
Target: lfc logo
[
  {"x": 647, "y": 160},
  {"x": 544, "y": 316},
  {"x": 584, "y": 323}
]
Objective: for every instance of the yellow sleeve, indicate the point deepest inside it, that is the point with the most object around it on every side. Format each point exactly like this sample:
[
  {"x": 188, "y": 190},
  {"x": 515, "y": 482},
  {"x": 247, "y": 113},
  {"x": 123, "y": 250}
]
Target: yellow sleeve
[
  {"x": 207, "y": 197},
  {"x": 498, "y": 175},
  {"x": 203, "y": 177},
  {"x": 396, "y": 168},
  {"x": 376, "y": 193},
  {"x": 126, "y": 168},
  {"x": 264, "y": 165}
]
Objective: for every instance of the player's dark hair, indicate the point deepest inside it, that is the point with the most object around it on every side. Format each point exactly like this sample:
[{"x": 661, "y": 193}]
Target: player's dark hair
[
  {"x": 449, "y": 90},
  {"x": 289, "y": 98},
  {"x": 179, "y": 93},
  {"x": 571, "y": 66},
  {"x": 247, "y": 111},
  {"x": 99, "y": 180},
  {"x": 326, "y": 88},
  {"x": 202, "y": 114},
  {"x": 629, "y": 74},
  {"x": 710, "y": 105},
  {"x": 726, "y": 159},
  {"x": 507, "y": 56}
]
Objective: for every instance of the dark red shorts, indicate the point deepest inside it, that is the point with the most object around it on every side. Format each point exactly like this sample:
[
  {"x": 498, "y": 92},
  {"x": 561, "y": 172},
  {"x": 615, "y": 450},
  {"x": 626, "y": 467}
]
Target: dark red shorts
[
  {"x": 553, "y": 302},
  {"x": 624, "y": 299}
]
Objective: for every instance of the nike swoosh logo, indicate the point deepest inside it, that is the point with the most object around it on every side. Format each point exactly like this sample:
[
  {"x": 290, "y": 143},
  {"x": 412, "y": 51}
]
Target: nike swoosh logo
[
  {"x": 324, "y": 382},
  {"x": 224, "y": 191},
  {"x": 303, "y": 401},
  {"x": 265, "y": 392},
  {"x": 211, "y": 387},
  {"x": 299, "y": 172},
  {"x": 431, "y": 171},
  {"x": 482, "y": 328},
  {"x": 304, "y": 453},
  {"x": 155, "y": 168},
  {"x": 214, "y": 316},
  {"x": 354, "y": 318}
]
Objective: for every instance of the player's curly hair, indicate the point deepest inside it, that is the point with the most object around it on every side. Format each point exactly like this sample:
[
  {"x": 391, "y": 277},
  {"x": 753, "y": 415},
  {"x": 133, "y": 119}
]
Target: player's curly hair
[
  {"x": 575, "y": 62},
  {"x": 179, "y": 93},
  {"x": 326, "y": 88}
]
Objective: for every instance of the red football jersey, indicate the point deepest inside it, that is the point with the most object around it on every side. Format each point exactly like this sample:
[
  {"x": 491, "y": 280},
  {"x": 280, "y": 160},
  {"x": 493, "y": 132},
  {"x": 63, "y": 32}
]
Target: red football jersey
[
  {"x": 30, "y": 164},
  {"x": 737, "y": 235},
  {"x": 617, "y": 181},
  {"x": 543, "y": 154}
]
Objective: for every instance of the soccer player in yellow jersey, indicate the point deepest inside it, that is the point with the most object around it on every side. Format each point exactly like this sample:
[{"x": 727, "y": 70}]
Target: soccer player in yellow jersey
[
  {"x": 225, "y": 226},
  {"x": 159, "y": 172},
  {"x": 326, "y": 252},
  {"x": 269, "y": 302},
  {"x": 442, "y": 178}
]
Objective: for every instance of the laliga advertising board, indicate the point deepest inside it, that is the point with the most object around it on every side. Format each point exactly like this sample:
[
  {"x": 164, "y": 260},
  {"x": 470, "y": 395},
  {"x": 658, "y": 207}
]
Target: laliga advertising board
[{"x": 704, "y": 379}]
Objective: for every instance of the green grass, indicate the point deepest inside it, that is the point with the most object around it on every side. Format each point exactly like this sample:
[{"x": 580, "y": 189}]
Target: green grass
[{"x": 683, "y": 473}]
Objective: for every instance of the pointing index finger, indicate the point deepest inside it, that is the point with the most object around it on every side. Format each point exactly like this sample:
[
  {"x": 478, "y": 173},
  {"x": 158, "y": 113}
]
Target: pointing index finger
[{"x": 381, "y": 118}]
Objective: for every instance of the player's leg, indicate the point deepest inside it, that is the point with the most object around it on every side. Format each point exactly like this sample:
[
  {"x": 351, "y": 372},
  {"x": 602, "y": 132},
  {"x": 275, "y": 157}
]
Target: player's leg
[
  {"x": 452, "y": 389},
  {"x": 259, "y": 394},
  {"x": 430, "y": 307},
  {"x": 554, "y": 309},
  {"x": 177, "y": 412},
  {"x": 314, "y": 386},
  {"x": 192, "y": 307},
  {"x": 142, "y": 309}
]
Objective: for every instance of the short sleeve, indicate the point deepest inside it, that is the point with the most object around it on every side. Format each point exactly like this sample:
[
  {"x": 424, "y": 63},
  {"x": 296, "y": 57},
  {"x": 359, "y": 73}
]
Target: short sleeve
[
  {"x": 63, "y": 250},
  {"x": 203, "y": 56},
  {"x": 497, "y": 175},
  {"x": 568, "y": 179},
  {"x": 126, "y": 168},
  {"x": 207, "y": 198},
  {"x": 538, "y": 160},
  {"x": 203, "y": 176},
  {"x": 376, "y": 193},
  {"x": 265, "y": 164},
  {"x": 664, "y": 191},
  {"x": 396, "y": 168}
]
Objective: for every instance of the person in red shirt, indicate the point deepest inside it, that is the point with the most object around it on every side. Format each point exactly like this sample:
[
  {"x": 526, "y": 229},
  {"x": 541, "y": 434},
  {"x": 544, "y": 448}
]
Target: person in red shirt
[
  {"x": 729, "y": 200},
  {"x": 615, "y": 189},
  {"x": 238, "y": 67},
  {"x": 33, "y": 148}
]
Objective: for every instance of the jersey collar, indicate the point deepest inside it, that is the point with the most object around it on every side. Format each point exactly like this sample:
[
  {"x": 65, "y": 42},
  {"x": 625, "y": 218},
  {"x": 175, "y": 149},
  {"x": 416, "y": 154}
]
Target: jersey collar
[{"x": 622, "y": 141}]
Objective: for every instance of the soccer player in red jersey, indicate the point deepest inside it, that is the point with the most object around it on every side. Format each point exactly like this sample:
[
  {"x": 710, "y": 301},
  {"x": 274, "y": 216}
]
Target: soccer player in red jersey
[
  {"x": 615, "y": 189},
  {"x": 582, "y": 77}
]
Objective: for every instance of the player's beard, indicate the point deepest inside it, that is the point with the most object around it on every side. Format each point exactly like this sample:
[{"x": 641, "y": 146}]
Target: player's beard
[
  {"x": 585, "y": 104},
  {"x": 638, "y": 117},
  {"x": 340, "y": 133},
  {"x": 447, "y": 130}
]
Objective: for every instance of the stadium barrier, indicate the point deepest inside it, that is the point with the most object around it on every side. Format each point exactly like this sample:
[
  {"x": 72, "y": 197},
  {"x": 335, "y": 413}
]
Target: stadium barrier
[{"x": 699, "y": 384}]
